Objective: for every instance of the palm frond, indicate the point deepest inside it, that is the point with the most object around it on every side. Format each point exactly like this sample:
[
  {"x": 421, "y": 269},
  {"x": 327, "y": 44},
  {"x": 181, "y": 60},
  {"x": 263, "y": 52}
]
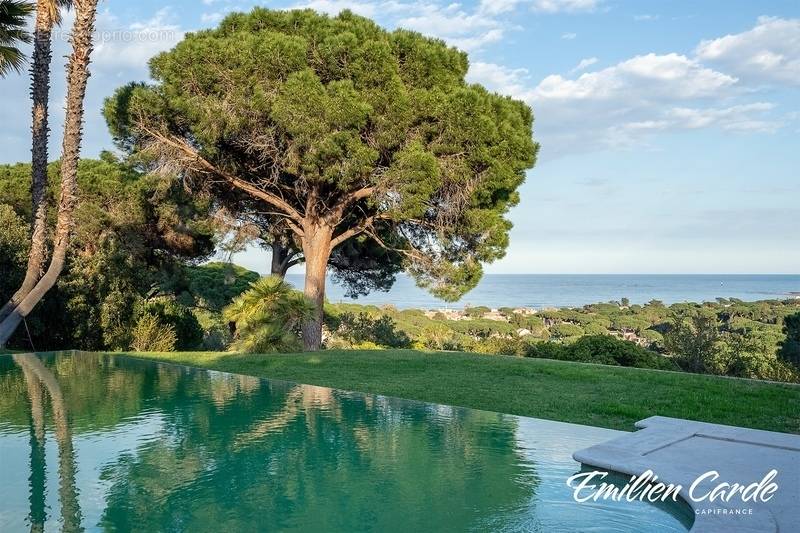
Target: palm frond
[
  {"x": 267, "y": 316},
  {"x": 13, "y": 32}
]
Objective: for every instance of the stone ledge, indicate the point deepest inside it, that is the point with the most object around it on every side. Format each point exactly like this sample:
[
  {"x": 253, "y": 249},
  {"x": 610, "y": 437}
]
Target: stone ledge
[{"x": 678, "y": 451}]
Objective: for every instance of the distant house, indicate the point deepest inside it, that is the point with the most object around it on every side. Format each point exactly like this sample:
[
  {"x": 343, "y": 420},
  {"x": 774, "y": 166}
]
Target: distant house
[{"x": 495, "y": 315}]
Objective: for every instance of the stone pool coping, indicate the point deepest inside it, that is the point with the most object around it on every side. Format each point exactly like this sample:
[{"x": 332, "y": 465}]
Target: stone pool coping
[{"x": 678, "y": 451}]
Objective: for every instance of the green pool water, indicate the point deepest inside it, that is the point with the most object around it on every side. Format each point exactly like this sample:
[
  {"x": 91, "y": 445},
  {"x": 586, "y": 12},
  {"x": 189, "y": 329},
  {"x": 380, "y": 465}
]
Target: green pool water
[{"x": 101, "y": 442}]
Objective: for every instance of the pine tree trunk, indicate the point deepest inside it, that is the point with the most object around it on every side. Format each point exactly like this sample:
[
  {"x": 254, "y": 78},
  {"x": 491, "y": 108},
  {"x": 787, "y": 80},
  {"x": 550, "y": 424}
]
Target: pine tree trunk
[
  {"x": 77, "y": 76},
  {"x": 279, "y": 259},
  {"x": 317, "y": 251},
  {"x": 40, "y": 93}
]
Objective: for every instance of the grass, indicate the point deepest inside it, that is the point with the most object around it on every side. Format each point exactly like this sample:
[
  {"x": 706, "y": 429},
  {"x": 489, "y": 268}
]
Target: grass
[{"x": 597, "y": 395}]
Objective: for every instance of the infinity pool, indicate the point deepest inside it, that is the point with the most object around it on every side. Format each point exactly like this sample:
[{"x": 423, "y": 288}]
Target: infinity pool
[{"x": 102, "y": 442}]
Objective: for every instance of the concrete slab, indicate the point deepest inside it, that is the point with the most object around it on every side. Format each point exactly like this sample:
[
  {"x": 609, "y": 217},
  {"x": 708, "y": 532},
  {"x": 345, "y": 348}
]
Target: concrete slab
[{"x": 679, "y": 451}]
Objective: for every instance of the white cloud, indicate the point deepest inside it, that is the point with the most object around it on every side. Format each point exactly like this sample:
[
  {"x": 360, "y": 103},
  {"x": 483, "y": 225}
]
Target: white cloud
[
  {"x": 568, "y": 6},
  {"x": 744, "y": 118},
  {"x": 648, "y": 18},
  {"x": 499, "y": 78},
  {"x": 767, "y": 53},
  {"x": 733, "y": 118},
  {"x": 450, "y": 20},
  {"x": 670, "y": 76},
  {"x": 468, "y": 28},
  {"x": 569, "y": 36},
  {"x": 583, "y": 64},
  {"x": 625, "y": 104},
  {"x": 495, "y": 7},
  {"x": 130, "y": 46},
  {"x": 211, "y": 18}
]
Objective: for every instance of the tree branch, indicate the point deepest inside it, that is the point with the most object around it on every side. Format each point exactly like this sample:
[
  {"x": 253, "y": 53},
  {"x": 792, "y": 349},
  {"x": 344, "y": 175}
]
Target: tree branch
[
  {"x": 355, "y": 230},
  {"x": 239, "y": 183}
]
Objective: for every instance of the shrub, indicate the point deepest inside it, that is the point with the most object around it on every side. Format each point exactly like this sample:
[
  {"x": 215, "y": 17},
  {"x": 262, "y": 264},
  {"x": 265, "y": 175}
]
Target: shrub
[
  {"x": 747, "y": 356},
  {"x": 438, "y": 337},
  {"x": 188, "y": 331},
  {"x": 362, "y": 328},
  {"x": 694, "y": 342},
  {"x": 216, "y": 332},
  {"x": 547, "y": 350},
  {"x": 476, "y": 312},
  {"x": 150, "y": 335},
  {"x": 563, "y": 330},
  {"x": 594, "y": 328},
  {"x": 501, "y": 346},
  {"x": 268, "y": 317},
  {"x": 602, "y": 349},
  {"x": 14, "y": 244},
  {"x": 790, "y": 347},
  {"x": 655, "y": 338}
]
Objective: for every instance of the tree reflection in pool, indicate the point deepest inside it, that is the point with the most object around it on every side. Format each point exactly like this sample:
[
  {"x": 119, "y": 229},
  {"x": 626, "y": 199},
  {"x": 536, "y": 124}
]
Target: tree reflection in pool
[{"x": 155, "y": 447}]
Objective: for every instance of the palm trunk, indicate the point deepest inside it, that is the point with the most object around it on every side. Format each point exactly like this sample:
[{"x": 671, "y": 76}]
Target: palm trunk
[
  {"x": 317, "y": 251},
  {"x": 40, "y": 93},
  {"x": 77, "y": 76}
]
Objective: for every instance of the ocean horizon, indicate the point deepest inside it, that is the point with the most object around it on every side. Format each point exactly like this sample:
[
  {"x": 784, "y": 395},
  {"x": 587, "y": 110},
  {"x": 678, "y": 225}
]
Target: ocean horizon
[{"x": 576, "y": 290}]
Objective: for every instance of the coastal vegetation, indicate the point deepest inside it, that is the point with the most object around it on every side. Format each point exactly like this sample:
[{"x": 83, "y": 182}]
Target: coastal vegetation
[
  {"x": 726, "y": 337},
  {"x": 134, "y": 276}
]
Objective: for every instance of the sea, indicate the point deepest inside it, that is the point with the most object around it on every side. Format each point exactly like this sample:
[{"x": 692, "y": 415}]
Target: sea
[{"x": 575, "y": 290}]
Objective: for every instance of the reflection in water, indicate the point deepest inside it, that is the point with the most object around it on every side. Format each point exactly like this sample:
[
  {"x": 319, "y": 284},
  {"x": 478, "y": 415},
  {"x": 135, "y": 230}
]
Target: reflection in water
[
  {"x": 36, "y": 375},
  {"x": 37, "y": 514},
  {"x": 168, "y": 448}
]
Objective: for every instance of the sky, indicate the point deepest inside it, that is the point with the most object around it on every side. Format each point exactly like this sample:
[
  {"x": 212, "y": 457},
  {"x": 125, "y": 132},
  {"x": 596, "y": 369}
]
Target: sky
[{"x": 668, "y": 130}]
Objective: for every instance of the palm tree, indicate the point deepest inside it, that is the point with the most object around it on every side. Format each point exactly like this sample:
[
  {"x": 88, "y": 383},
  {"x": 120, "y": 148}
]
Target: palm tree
[
  {"x": 77, "y": 77},
  {"x": 48, "y": 14},
  {"x": 12, "y": 32},
  {"x": 268, "y": 316}
]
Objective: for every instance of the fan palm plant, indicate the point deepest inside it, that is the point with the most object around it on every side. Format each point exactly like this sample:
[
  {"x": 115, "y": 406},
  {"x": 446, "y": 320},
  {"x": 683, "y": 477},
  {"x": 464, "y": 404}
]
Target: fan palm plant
[
  {"x": 13, "y": 33},
  {"x": 268, "y": 317}
]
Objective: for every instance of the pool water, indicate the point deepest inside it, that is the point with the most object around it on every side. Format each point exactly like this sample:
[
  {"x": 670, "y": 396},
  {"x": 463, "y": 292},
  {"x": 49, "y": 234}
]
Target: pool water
[{"x": 104, "y": 442}]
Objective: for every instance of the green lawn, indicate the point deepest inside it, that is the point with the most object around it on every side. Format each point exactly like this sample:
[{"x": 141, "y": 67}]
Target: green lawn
[{"x": 596, "y": 395}]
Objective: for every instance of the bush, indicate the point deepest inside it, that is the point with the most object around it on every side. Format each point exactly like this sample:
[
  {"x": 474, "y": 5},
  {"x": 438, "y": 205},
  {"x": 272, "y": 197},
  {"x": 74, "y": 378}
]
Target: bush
[
  {"x": 150, "y": 335},
  {"x": 694, "y": 341},
  {"x": 188, "y": 332},
  {"x": 653, "y": 337},
  {"x": 746, "y": 356},
  {"x": 564, "y": 330},
  {"x": 268, "y": 317},
  {"x": 602, "y": 349},
  {"x": 438, "y": 337},
  {"x": 594, "y": 328},
  {"x": 501, "y": 346},
  {"x": 14, "y": 244},
  {"x": 356, "y": 330},
  {"x": 790, "y": 347},
  {"x": 216, "y": 332}
]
